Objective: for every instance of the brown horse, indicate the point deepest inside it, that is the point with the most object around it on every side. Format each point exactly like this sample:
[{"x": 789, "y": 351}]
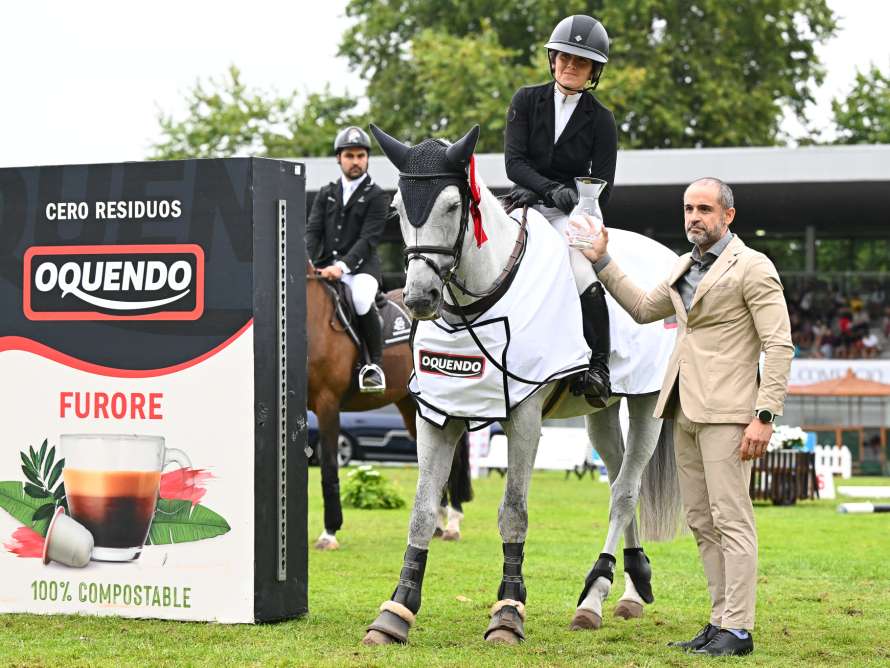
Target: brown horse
[{"x": 331, "y": 388}]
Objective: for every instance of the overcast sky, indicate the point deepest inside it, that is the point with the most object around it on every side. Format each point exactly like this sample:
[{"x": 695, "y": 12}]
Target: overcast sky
[{"x": 83, "y": 81}]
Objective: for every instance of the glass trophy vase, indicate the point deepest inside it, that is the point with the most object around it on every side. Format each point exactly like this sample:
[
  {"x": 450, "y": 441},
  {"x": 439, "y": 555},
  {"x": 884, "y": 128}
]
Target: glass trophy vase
[{"x": 583, "y": 230}]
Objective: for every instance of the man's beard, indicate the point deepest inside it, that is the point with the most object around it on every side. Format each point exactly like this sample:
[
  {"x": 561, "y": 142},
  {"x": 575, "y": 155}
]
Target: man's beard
[{"x": 703, "y": 236}]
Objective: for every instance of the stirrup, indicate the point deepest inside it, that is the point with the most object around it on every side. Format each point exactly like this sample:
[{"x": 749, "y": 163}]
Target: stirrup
[{"x": 370, "y": 388}]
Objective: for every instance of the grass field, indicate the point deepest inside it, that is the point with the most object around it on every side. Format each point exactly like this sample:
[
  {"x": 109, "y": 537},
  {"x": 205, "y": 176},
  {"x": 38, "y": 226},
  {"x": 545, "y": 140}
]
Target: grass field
[{"x": 823, "y": 596}]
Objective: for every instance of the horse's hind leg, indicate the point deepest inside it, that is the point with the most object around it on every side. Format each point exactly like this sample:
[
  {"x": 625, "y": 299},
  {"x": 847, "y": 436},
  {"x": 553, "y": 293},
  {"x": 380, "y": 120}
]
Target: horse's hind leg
[
  {"x": 435, "y": 451},
  {"x": 625, "y": 466},
  {"x": 642, "y": 437},
  {"x": 604, "y": 430},
  {"x": 328, "y": 414},
  {"x": 523, "y": 433}
]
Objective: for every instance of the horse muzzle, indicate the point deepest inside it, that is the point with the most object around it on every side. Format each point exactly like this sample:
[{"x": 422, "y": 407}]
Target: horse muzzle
[{"x": 423, "y": 305}]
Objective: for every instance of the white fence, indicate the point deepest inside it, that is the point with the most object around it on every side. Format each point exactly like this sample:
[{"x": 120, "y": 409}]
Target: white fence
[{"x": 834, "y": 460}]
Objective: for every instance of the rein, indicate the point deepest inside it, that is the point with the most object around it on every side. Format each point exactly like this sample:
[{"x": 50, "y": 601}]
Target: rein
[{"x": 486, "y": 299}]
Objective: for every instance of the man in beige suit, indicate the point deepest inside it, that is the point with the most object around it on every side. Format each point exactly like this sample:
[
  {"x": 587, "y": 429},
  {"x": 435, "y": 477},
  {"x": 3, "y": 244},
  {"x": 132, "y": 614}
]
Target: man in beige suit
[{"x": 729, "y": 306}]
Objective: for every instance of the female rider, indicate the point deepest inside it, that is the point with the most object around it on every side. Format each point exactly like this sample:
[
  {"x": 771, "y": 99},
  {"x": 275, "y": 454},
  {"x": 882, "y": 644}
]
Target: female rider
[{"x": 555, "y": 132}]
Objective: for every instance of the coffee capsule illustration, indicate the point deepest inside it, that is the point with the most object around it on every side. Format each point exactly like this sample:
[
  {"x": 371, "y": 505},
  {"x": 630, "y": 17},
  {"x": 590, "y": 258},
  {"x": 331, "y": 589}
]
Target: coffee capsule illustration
[{"x": 67, "y": 541}]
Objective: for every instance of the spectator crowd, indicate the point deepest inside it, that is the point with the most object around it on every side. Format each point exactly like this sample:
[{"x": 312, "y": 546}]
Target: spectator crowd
[{"x": 830, "y": 322}]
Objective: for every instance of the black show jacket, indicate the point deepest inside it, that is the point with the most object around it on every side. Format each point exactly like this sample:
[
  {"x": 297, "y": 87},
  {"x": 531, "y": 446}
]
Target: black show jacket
[
  {"x": 349, "y": 233},
  {"x": 588, "y": 146}
]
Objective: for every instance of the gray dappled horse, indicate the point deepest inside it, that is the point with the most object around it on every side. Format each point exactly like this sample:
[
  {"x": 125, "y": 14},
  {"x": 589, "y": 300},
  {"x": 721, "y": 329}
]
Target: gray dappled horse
[{"x": 444, "y": 263}]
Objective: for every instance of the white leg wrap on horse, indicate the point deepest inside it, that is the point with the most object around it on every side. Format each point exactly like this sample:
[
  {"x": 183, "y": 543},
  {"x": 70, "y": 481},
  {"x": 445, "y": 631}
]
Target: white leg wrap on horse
[
  {"x": 630, "y": 592},
  {"x": 399, "y": 610},
  {"x": 596, "y": 596},
  {"x": 519, "y": 605}
]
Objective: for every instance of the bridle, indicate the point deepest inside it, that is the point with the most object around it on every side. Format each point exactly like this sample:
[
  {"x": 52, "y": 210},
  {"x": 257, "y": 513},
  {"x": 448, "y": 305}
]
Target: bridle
[{"x": 448, "y": 274}]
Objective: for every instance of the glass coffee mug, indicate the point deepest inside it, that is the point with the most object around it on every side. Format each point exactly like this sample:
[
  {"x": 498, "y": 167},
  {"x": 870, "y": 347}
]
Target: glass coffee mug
[{"x": 112, "y": 483}]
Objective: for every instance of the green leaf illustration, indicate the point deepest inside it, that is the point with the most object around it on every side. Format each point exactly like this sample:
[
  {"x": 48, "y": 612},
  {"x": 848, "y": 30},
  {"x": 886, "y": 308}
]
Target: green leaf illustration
[
  {"x": 34, "y": 491},
  {"x": 176, "y": 521},
  {"x": 30, "y": 475},
  {"x": 57, "y": 471},
  {"x": 49, "y": 460},
  {"x": 21, "y": 506},
  {"x": 28, "y": 464},
  {"x": 33, "y": 457},
  {"x": 44, "y": 512},
  {"x": 42, "y": 452}
]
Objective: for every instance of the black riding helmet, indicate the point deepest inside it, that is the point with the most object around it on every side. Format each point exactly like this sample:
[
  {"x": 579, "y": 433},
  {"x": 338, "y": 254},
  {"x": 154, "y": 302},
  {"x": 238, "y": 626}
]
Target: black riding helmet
[
  {"x": 580, "y": 35},
  {"x": 352, "y": 137}
]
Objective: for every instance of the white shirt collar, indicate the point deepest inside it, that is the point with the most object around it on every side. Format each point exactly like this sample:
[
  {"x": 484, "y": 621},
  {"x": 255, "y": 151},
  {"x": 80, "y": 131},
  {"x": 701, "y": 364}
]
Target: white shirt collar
[
  {"x": 349, "y": 186},
  {"x": 563, "y": 106}
]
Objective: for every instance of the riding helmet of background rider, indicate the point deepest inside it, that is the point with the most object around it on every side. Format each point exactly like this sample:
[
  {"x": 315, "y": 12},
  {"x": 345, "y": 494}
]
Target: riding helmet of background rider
[{"x": 351, "y": 137}]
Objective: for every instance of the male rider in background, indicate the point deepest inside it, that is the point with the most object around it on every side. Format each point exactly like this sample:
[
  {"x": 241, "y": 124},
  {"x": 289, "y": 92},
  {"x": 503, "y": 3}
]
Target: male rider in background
[{"x": 342, "y": 233}]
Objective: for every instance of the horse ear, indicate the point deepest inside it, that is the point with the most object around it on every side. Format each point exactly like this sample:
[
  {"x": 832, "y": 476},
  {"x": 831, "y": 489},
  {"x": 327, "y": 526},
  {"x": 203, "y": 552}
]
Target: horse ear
[
  {"x": 459, "y": 153},
  {"x": 392, "y": 148}
]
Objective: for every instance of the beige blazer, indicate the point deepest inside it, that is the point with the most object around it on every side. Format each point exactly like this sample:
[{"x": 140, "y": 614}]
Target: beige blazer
[{"x": 738, "y": 310}]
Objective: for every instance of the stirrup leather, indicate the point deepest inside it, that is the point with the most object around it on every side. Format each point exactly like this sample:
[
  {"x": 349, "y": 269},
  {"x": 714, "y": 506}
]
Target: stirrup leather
[{"x": 363, "y": 387}]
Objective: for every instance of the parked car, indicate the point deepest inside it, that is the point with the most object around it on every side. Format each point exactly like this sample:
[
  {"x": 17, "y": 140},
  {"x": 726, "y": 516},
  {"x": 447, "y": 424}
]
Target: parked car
[{"x": 378, "y": 435}]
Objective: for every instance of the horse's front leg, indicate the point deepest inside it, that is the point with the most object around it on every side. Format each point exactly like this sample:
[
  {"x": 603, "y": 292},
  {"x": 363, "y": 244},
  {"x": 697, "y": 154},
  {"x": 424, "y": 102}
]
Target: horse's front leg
[
  {"x": 523, "y": 433},
  {"x": 435, "y": 451}
]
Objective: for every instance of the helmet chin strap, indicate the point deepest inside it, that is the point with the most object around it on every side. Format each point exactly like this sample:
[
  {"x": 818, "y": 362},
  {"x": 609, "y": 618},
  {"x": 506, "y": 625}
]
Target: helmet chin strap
[{"x": 577, "y": 90}]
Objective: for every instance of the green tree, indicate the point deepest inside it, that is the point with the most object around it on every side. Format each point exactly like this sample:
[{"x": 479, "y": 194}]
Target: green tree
[
  {"x": 681, "y": 72},
  {"x": 863, "y": 116},
  {"x": 225, "y": 118}
]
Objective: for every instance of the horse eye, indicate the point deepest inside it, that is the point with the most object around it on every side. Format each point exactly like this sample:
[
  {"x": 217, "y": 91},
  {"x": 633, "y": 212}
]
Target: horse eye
[{"x": 453, "y": 207}]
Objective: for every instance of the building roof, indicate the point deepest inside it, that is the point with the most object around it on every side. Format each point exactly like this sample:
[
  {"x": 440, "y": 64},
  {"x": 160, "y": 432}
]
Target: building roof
[
  {"x": 849, "y": 385},
  {"x": 841, "y": 191}
]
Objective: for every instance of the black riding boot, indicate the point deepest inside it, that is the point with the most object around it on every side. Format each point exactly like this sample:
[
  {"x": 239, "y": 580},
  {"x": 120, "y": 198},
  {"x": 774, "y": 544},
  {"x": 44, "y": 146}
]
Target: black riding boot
[
  {"x": 594, "y": 383},
  {"x": 371, "y": 378}
]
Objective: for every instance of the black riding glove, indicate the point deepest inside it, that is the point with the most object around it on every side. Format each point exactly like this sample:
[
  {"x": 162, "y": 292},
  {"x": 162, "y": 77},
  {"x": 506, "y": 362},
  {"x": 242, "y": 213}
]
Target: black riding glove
[
  {"x": 519, "y": 197},
  {"x": 564, "y": 198}
]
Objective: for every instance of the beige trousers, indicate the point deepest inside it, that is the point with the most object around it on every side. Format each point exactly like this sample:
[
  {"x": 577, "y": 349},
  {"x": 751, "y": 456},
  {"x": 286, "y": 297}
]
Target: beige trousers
[{"x": 714, "y": 486}]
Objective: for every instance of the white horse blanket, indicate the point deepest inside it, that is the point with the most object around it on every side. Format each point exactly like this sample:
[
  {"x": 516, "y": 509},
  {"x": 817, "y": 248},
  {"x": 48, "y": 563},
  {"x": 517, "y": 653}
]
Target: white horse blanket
[{"x": 535, "y": 333}]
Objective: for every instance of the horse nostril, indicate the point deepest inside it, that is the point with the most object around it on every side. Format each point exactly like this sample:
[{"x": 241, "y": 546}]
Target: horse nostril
[{"x": 434, "y": 296}]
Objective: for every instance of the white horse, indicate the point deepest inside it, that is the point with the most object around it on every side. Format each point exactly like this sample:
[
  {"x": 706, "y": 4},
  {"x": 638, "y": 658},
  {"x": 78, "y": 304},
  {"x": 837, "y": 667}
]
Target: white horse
[{"x": 452, "y": 274}]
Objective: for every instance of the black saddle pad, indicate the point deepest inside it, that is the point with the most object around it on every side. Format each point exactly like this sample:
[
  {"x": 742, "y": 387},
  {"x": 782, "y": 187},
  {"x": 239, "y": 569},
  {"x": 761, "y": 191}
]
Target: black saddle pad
[{"x": 396, "y": 322}]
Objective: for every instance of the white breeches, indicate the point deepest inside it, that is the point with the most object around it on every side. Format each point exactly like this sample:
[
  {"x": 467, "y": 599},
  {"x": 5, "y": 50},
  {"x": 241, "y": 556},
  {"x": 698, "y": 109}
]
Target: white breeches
[
  {"x": 364, "y": 289},
  {"x": 582, "y": 268}
]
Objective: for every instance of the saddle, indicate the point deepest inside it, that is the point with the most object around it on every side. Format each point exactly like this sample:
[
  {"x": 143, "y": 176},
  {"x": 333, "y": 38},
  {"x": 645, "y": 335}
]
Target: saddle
[{"x": 396, "y": 322}]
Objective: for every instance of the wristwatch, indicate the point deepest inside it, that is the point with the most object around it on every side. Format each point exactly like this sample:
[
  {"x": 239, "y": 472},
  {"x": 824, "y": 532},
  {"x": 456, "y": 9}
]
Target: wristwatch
[{"x": 765, "y": 416}]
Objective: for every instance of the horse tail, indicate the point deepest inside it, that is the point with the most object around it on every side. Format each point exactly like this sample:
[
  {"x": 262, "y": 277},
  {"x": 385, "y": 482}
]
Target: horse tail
[
  {"x": 660, "y": 504},
  {"x": 460, "y": 485}
]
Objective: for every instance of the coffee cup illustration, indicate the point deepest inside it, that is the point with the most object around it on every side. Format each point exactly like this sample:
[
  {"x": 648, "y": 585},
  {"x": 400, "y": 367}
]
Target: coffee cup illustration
[{"x": 112, "y": 483}]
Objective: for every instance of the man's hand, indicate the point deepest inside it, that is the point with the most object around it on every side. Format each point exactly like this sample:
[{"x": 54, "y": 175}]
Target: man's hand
[
  {"x": 599, "y": 245},
  {"x": 755, "y": 440},
  {"x": 332, "y": 273}
]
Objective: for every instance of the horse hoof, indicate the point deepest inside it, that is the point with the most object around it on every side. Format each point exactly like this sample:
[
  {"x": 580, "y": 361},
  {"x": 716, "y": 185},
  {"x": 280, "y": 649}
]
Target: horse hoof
[
  {"x": 585, "y": 620},
  {"x": 628, "y": 610},
  {"x": 374, "y": 638},
  {"x": 450, "y": 535},
  {"x": 502, "y": 637},
  {"x": 327, "y": 544}
]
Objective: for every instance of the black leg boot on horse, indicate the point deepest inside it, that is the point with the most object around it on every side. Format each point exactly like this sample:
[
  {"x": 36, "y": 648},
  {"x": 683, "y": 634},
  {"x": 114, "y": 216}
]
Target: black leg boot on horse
[
  {"x": 371, "y": 379},
  {"x": 637, "y": 568},
  {"x": 508, "y": 614},
  {"x": 594, "y": 383},
  {"x": 397, "y": 614}
]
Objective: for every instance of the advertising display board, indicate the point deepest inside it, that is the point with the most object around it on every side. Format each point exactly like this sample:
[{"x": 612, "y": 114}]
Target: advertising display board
[{"x": 152, "y": 395}]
